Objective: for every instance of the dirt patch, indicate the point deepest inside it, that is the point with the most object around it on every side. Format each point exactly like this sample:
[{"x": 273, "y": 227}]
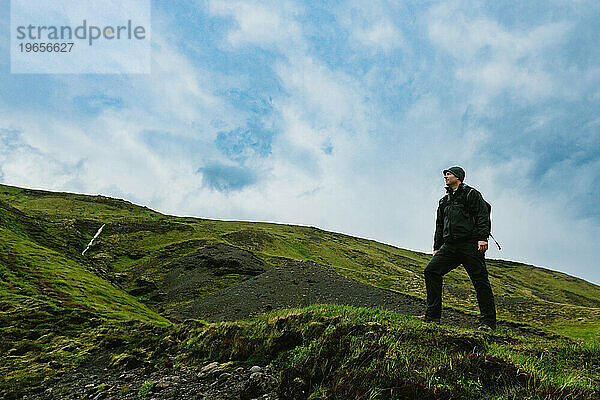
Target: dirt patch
[
  {"x": 200, "y": 272},
  {"x": 299, "y": 284},
  {"x": 295, "y": 284},
  {"x": 98, "y": 378},
  {"x": 220, "y": 259}
]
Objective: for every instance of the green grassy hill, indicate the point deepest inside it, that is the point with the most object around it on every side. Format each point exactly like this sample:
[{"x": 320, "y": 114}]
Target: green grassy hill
[
  {"x": 138, "y": 245},
  {"x": 50, "y": 294}
]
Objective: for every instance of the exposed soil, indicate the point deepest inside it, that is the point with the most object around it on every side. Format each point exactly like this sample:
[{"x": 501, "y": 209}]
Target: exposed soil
[
  {"x": 299, "y": 284},
  {"x": 97, "y": 380},
  {"x": 195, "y": 271},
  {"x": 221, "y": 259},
  {"x": 201, "y": 267}
]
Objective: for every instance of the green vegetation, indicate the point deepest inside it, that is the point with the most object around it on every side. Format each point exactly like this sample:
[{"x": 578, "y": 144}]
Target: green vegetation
[
  {"x": 344, "y": 352},
  {"x": 145, "y": 389},
  {"x": 329, "y": 351},
  {"x": 57, "y": 308},
  {"x": 139, "y": 244}
]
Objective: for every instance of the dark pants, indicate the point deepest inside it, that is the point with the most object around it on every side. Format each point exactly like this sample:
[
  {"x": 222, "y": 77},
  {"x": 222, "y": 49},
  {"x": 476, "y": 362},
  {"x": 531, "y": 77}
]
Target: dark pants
[{"x": 450, "y": 256}]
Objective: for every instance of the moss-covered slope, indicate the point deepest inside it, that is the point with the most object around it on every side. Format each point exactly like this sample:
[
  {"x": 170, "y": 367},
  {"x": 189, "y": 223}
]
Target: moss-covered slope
[
  {"x": 143, "y": 252},
  {"x": 58, "y": 307}
]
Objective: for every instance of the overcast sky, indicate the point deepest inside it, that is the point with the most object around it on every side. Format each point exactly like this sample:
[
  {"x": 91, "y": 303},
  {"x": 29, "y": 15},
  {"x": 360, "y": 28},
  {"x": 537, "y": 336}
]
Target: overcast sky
[{"x": 340, "y": 116}]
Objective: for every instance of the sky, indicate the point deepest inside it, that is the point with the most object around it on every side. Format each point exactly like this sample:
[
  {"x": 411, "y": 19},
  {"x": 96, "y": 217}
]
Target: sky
[{"x": 335, "y": 114}]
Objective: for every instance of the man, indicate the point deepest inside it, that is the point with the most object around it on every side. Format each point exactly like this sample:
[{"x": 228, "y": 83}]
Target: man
[{"x": 462, "y": 229}]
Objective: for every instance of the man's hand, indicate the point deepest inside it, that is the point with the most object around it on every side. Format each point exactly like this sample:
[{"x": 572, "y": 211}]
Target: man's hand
[
  {"x": 435, "y": 251},
  {"x": 482, "y": 246}
]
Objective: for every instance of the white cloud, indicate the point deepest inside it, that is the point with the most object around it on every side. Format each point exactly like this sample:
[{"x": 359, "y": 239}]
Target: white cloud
[
  {"x": 179, "y": 101},
  {"x": 495, "y": 59},
  {"x": 330, "y": 98},
  {"x": 108, "y": 152},
  {"x": 543, "y": 233},
  {"x": 539, "y": 228},
  {"x": 372, "y": 25},
  {"x": 383, "y": 34},
  {"x": 320, "y": 104},
  {"x": 260, "y": 23},
  {"x": 24, "y": 165},
  {"x": 494, "y": 77}
]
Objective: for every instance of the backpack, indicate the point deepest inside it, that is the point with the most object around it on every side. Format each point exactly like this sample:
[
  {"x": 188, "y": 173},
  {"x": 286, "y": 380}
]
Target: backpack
[{"x": 488, "y": 205}]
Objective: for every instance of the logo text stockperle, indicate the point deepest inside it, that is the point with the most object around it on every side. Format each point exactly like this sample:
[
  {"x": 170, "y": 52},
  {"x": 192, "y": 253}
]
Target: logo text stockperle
[{"x": 82, "y": 32}]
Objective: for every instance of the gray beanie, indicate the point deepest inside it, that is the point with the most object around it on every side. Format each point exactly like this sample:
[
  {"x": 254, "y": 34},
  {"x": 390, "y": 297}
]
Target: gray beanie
[{"x": 456, "y": 171}]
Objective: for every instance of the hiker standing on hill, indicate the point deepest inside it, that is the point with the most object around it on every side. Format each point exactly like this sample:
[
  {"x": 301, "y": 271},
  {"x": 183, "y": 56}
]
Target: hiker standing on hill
[{"x": 462, "y": 228}]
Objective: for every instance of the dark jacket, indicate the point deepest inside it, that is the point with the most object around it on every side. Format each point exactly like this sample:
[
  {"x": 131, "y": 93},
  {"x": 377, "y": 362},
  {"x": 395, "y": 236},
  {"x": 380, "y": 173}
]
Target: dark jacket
[{"x": 461, "y": 216}]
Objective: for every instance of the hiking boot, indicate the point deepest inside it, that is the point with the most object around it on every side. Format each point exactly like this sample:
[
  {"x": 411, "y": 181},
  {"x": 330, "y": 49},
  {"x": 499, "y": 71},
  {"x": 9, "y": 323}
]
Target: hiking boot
[
  {"x": 485, "y": 327},
  {"x": 425, "y": 318}
]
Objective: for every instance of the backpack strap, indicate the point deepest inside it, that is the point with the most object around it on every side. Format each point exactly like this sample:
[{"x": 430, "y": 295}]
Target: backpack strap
[
  {"x": 469, "y": 190},
  {"x": 489, "y": 207}
]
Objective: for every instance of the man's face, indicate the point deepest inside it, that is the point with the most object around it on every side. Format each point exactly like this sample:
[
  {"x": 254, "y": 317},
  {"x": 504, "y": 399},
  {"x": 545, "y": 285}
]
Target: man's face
[{"x": 450, "y": 178}]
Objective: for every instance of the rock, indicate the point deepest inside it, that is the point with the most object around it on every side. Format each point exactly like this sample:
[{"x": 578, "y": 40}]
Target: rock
[
  {"x": 209, "y": 368},
  {"x": 224, "y": 376},
  {"x": 221, "y": 381},
  {"x": 256, "y": 375},
  {"x": 127, "y": 376},
  {"x": 160, "y": 385},
  {"x": 100, "y": 396}
]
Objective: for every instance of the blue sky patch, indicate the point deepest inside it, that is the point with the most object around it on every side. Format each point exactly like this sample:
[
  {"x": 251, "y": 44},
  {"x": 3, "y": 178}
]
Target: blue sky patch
[
  {"x": 226, "y": 178},
  {"x": 97, "y": 103},
  {"x": 244, "y": 142}
]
